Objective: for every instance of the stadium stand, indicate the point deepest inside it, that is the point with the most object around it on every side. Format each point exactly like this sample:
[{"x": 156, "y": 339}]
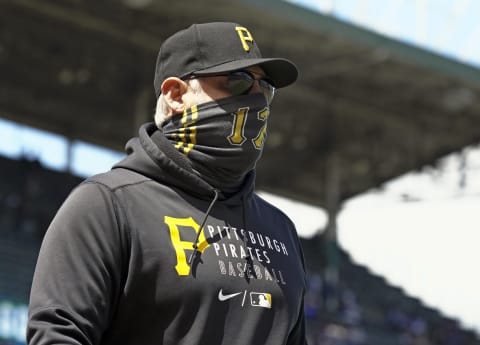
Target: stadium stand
[
  {"x": 27, "y": 204},
  {"x": 368, "y": 310}
]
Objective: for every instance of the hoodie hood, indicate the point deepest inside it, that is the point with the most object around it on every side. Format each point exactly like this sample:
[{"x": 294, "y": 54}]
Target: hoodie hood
[{"x": 152, "y": 155}]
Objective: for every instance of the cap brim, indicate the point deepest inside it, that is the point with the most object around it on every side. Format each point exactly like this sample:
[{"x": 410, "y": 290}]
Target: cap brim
[{"x": 282, "y": 71}]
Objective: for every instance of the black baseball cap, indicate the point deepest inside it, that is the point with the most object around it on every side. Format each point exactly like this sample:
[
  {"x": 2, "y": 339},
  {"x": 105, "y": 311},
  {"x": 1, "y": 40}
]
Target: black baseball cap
[{"x": 216, "y": 48}]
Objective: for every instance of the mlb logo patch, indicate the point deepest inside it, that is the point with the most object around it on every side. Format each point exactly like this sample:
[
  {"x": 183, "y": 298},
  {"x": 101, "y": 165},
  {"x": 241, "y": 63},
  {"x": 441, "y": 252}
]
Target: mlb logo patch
[{"x": 261, "y": 299}]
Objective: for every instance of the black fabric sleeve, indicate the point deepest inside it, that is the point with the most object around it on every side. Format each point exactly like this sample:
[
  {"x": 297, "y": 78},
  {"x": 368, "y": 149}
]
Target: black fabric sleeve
[
  {"x": 79, "y": 271},
  {"x": 297, "y": 336}
]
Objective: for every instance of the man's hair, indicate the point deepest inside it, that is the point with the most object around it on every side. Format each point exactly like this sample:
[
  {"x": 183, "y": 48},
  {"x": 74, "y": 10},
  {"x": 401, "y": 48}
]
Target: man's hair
[{"x": 161, "y": 110}]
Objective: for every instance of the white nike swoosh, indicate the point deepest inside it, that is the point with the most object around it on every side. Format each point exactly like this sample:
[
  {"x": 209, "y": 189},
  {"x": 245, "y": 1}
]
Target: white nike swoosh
[{"x": 222, "y": 297}]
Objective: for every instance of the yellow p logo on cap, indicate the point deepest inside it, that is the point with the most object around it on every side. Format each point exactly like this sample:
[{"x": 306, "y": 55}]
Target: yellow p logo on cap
[{"x": 245, "y": 36}]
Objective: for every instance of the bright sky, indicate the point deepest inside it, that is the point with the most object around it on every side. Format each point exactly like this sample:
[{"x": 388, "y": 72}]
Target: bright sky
[
  {"x": 52, "y": 150},
  {"x": 422, "y": 230},
  {"x": 422, "y": 233},
  {"x": 444, "y": 26}
]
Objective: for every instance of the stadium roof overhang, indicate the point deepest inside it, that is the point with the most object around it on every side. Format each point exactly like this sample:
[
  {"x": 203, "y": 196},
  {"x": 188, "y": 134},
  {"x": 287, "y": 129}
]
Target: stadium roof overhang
[{"x": 365, "y": 109}]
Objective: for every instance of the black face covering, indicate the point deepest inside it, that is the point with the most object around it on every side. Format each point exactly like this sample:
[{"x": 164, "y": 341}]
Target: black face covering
[{"x": 223, "y": 139}]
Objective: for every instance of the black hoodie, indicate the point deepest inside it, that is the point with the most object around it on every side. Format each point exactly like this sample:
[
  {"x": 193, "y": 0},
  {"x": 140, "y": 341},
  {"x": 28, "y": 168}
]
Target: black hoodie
[{"x": 114, "y": 267}]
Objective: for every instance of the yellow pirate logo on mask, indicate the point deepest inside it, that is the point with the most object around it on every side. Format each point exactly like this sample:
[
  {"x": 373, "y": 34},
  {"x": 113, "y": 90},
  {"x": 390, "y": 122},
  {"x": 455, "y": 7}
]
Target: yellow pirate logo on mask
[{"x": 245, "y": 36}]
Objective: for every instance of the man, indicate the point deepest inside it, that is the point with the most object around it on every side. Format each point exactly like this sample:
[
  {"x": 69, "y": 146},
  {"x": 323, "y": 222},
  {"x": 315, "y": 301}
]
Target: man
[{"x": 172, "y": 246}]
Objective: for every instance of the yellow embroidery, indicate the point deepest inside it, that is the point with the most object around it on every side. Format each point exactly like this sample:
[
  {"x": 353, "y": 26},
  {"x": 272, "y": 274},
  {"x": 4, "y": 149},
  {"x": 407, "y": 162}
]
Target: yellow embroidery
[
  {"x": 237, "y": 137},
  {"x": 262, "y": 135},
  {"x": 180, "y": 246},
  {"x": 245, "y": 36},
  {"x": 188, "y": 134}
]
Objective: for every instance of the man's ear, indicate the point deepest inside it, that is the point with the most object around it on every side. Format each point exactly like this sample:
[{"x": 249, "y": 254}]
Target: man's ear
[{"x": 173, "y": 89}]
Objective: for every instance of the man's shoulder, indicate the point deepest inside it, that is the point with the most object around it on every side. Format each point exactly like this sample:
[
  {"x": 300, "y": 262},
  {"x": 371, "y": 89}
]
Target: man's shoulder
[
  {"x": 269, "y": 207},
  {"x": 117, "y": 178}
]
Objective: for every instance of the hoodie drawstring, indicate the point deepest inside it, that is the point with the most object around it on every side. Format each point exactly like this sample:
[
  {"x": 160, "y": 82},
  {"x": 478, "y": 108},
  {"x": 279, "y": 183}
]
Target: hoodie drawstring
[
  {"x": 248, "y": 258},
  {"x": 195, "y": 244},
  {"x": 244, "y": 219}
]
